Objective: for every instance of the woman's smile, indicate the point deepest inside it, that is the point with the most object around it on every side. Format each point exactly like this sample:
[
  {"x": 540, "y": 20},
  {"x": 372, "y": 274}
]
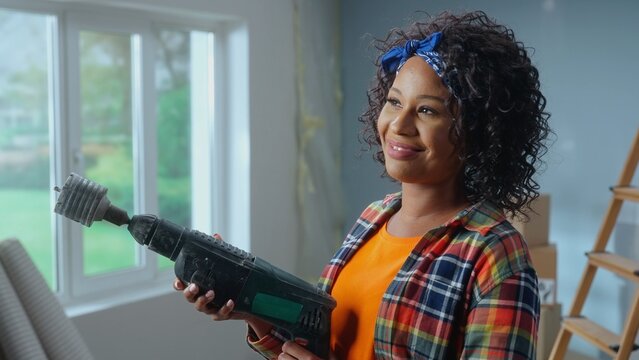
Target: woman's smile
[{"x": 402, "y": 151}]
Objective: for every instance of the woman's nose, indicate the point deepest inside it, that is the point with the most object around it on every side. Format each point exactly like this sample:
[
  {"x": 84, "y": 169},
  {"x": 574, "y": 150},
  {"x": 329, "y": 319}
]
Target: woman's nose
[{"x": 404, "y": 123}]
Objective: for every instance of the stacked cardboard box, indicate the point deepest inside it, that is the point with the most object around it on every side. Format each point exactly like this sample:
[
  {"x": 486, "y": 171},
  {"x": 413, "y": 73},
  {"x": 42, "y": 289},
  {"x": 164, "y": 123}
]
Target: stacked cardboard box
[{"x": 544, "y": 258}]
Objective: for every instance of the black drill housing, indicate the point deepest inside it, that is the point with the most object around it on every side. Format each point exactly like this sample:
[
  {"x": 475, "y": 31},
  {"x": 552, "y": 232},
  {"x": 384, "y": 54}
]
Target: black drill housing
[{"x": 295, "y": 307}]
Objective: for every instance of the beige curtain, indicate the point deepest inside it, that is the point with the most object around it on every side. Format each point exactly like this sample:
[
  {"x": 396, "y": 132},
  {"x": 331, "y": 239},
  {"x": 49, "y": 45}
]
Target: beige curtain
[{"x": 319, "y": 99}]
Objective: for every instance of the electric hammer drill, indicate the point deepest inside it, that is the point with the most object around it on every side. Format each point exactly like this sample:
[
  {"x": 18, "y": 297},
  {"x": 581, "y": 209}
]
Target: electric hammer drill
[{"x": 297, "y": 308}]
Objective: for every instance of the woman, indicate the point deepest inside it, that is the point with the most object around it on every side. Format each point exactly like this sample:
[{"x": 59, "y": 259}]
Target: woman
[{"x": 436, "y": 271}]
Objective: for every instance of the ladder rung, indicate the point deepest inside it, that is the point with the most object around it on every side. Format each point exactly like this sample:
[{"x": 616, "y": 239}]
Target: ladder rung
[
  {"x": 615, "y": 263},
  {"x": 594, "y": 333},
  {"x": 615, "y": 348},
  {"x": 626, "y": 193}
]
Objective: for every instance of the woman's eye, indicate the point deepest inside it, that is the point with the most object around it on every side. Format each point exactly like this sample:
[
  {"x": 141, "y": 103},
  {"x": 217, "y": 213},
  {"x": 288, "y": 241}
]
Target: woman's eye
[
  {"x": 426, "y": 110},
  {"x": 393, "y": 102}
]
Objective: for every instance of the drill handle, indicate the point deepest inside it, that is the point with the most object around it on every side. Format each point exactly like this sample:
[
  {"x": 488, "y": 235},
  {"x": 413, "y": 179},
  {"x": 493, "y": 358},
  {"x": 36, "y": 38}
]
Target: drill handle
[{"x": 318, "y": 344}]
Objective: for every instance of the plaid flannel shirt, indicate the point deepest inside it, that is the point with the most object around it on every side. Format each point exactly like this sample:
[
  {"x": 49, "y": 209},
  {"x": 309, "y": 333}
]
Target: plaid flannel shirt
[{"x": 467, "y": 290}]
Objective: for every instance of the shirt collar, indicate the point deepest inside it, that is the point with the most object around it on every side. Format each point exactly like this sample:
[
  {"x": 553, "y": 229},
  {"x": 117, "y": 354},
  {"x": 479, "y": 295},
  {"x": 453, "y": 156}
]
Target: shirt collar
[{"x": 480, "y": 217}]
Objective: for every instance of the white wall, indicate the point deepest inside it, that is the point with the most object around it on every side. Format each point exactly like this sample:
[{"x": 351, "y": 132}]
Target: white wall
[
  {"x": 167, "y": 327},
  {"x": 586, "y": 51}
]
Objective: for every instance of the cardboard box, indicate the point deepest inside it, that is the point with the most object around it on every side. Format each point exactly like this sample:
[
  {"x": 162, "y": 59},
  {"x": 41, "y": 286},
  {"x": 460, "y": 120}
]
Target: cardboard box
[
  {"x": 544, "y": 260},
  {"x": 549, "y": 324},
  {"x": 536, "y": 230}
]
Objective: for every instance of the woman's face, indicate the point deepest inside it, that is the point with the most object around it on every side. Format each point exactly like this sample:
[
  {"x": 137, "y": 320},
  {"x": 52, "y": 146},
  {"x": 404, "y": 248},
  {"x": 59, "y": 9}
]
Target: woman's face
[{"x": 414, "y": 127}]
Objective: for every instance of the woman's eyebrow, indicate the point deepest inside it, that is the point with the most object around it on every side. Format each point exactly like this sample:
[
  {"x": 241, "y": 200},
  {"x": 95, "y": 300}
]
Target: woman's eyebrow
[
  {"x": 423, "y": 96},
  {"x": 434, "y": 97}
]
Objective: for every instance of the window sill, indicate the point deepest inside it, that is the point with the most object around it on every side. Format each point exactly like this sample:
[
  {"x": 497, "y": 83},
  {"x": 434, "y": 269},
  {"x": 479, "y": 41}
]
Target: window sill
[{"x": 125, "y": 295}]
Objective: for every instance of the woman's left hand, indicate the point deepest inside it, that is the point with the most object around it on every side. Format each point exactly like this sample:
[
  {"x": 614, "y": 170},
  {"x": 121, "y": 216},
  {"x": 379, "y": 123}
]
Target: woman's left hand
[{"x": 294, "y": 351}]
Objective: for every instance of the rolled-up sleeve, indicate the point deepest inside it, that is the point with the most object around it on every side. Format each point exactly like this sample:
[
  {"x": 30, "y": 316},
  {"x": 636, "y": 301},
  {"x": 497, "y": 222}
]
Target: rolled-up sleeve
[{"x": 269, "y": 346}]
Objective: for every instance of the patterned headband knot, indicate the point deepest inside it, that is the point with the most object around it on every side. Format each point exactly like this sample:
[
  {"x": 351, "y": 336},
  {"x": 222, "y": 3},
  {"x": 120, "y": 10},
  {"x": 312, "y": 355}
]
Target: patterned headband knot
[{"x": 393, "y": 60}]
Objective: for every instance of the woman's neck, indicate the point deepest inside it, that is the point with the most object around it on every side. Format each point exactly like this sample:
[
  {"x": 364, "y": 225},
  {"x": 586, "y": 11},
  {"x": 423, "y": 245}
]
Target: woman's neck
[
  {"x": 419, "y": 200},
  {"x": 425, "y": 207}
]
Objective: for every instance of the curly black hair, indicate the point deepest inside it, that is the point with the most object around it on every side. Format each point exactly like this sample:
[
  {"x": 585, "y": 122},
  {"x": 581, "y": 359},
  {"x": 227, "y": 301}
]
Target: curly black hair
[{"x": 500, "y": 126}]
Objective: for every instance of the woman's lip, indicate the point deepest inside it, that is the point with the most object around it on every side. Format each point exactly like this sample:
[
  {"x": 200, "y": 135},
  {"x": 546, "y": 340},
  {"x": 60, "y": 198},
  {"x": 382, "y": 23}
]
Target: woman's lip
[
  {"x": 400, "y": 151},
  {"x": 401, "y": 146}
]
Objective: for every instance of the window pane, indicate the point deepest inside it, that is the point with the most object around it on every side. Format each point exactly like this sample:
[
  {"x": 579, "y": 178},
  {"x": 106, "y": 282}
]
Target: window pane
[
  {"x": 106, "y": 116},
  {"x": 25, "y": 211},
  {"x": 174, "y": 128}
]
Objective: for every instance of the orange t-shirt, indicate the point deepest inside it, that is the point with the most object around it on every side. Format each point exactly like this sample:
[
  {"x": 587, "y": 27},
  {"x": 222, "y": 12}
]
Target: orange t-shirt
[{"x": 358, "y": 290}]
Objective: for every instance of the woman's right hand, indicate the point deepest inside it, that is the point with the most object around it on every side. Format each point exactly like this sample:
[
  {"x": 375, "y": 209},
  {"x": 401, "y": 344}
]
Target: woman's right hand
[
  {"x": 226, "y": 312},
  {"x": 202, "y": 303}
]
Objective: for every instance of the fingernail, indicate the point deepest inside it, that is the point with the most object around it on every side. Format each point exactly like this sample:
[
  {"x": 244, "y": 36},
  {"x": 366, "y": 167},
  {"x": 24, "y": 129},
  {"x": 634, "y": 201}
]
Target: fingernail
[
  {"x": 229, "y": 303},
  {"x": 192, "y": 288},
  {"x": 209, "y": 294}
]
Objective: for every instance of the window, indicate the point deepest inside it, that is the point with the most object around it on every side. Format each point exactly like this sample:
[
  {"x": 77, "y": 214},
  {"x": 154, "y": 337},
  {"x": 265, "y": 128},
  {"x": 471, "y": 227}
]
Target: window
[
  {"x": 124, "y": 98},
  {"x": 106, "y": 138},
  {"x": 24, "y": 137}
]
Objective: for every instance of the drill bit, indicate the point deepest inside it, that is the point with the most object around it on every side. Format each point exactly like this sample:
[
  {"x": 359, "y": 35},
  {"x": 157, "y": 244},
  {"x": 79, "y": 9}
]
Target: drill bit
[{"x": 85, "y": 201}]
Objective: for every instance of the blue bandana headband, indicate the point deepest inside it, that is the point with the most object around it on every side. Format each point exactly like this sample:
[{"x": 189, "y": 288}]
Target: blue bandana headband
[{"x": 393, "y": 60}]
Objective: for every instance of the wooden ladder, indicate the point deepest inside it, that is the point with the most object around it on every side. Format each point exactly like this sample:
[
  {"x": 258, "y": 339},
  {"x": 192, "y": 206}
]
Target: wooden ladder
[{"x": 617, "y": 346}]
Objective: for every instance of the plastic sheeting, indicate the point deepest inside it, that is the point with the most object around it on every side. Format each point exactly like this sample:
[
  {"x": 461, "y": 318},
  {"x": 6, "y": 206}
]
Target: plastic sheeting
[{"x": 319, "y": 99}]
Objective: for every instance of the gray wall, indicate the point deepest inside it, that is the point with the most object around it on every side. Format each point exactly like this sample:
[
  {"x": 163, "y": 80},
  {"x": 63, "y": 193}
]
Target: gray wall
[
  {"x": 587, "y": 53},
  {"x": 164, "y": 327}
]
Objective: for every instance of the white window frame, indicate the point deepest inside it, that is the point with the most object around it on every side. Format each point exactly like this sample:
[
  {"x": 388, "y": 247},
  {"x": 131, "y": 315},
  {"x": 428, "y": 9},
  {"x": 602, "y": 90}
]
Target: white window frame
[
  {"x": 78, "y": 293},
  {"x": 144, "y": 162}
]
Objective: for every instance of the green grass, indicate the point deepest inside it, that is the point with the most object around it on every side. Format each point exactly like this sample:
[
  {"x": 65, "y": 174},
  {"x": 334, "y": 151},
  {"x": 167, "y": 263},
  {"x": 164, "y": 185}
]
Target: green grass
[
  {"x": 26, "y": 215},
  {"x": 107, "y": 248}
]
